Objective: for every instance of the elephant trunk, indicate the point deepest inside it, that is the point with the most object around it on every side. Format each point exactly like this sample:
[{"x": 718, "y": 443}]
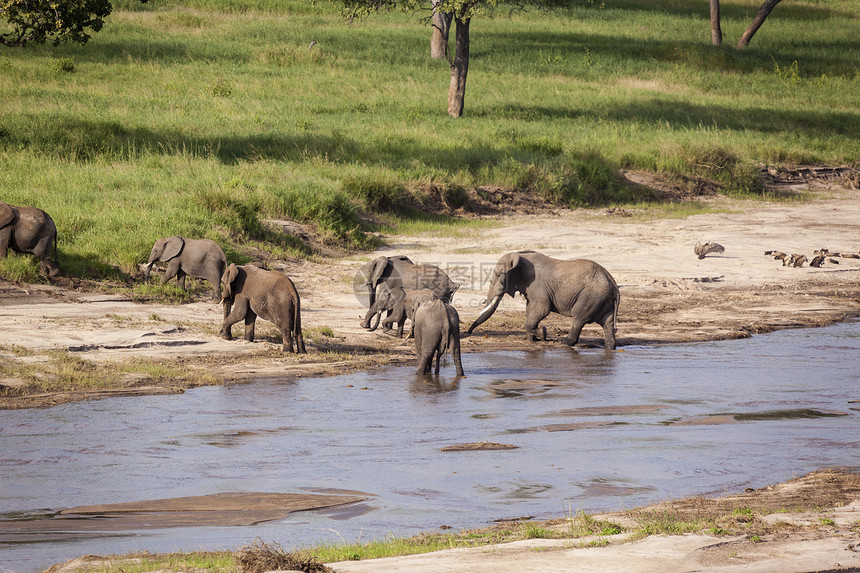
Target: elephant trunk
[
  {"x": 371, "y": 295},
  {"x": 147, "y": 268},
  {"x": 365, "y": 323},
  {"x": 376, "y": 324},
  {"x": 486, "y": 313}
]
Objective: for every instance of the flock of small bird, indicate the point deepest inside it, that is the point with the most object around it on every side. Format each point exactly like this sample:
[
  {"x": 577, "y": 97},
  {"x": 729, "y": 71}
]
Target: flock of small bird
[
  {"x": 820, "y": 256},
  {"x": 794, "y": 260}
]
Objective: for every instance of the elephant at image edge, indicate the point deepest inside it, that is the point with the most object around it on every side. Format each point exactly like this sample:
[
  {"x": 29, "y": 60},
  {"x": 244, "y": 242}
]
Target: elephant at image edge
[
  {"x": 437, "y": 330},
  {"x": 251, "y": 292},
  {"x": 29, "y": 230},
  {"x": 395, "y": 272},
  {"x": 580, "y": 289},
  {"x": 399, "y": 305},
  {"x": 199, "y": 258}
]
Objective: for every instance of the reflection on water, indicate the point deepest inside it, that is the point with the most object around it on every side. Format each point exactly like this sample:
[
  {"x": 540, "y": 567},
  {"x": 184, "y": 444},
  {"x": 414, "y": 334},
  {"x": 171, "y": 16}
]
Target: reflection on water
[{"x": 594, "y": 431}]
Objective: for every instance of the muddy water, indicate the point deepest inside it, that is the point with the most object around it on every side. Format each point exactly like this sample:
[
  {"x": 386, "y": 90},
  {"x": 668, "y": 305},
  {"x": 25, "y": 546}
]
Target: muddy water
[{"x": 592, "y": 432}]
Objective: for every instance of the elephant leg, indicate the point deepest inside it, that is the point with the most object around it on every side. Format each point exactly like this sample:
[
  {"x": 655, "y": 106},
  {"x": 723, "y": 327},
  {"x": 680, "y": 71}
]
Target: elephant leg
[
  {"x": 240, "y": 308},
  {"x": 250, "y": 324},
  {"x": 609, "y": 333},
  {"x": 455, "y": 353},
  {"x": 287, "y": 333},
  {"x": 386, "y": 324},
  {"x": 287, "y": 338},
  {"x": 5, "y": 236},
  {"x": 575, "y": 330},
  {"x": 438, "y": 357},
  {"x": 300, "y": 342},
  {"x": 535, "y": 313},
  {"x": 171, "y": 271},
  {"x": 424, "y": 363},
  {"x": 180, "y": 278},
  {"x": 214, "y": 279}
]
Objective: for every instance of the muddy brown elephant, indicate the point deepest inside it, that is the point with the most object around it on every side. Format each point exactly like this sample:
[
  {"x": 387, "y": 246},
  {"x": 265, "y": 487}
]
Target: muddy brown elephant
[
  {"x": 250, "y": 291},
  {"x": 199, "y": 258},
  {"x": 393, "y": 273},
  {"x": 437, "y": 330},
  {"x": 29, "y": 230},
  {"x": 580, "y": 289}
]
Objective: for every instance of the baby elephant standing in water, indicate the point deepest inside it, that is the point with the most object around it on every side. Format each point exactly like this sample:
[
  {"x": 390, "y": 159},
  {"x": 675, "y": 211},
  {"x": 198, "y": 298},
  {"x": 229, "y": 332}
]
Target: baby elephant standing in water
[
  {"x": 437, "y": 329},
  {"x": 251, "y": 292}
]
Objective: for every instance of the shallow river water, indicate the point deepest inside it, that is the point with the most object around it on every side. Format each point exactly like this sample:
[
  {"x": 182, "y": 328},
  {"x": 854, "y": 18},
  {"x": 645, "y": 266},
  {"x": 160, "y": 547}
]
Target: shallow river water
[{"x": 593, "y": 431}]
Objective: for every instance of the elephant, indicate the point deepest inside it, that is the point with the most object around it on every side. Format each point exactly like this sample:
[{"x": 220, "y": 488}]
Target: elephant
[
  {"x": 199, "y": 258},
  {"x": 399, "y": 304},
  {"x": 579, "y": 288},
  {"x": 29, "y": 230},
  {"x": 395, "y": 272},
  {"x": 251, "y": 291},
  {"x": 437, "y": 330}
]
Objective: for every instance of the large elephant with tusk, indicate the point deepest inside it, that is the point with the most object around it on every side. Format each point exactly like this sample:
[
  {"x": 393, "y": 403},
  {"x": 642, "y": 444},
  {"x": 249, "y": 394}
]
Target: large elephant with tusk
[{"x": 580, "y": 289}]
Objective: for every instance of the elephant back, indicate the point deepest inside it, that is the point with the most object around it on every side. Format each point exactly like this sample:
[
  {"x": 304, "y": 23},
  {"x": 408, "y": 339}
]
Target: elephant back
[{"x": 429, "y": 277}]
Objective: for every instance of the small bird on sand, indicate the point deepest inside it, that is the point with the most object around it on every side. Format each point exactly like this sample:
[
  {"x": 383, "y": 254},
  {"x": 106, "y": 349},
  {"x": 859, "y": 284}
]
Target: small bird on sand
[
  {"x": 817, "y": 261},
  {"x": 708, "y": 247},
  {"x": 798, "y": 260}
]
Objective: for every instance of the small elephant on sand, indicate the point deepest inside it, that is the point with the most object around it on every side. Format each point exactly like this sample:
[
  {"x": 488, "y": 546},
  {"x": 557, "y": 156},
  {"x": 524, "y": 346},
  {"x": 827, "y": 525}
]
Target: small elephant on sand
[
  {"x": 437, "y": 330},
  {"x": 29, "y": 230},
  {"x": 250, "y": 291},
  {"x": 199, "y": 258}
]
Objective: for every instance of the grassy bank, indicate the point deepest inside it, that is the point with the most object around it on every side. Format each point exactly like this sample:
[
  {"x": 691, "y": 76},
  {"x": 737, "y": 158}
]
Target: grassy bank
[{"x": 209, "y": 118}]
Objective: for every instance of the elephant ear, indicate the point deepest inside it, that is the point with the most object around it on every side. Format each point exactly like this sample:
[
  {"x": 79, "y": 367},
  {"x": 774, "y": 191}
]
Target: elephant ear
[
  {"x": 228, "y": 278},
  {"x": 7, "y": 214},
  {"x": 377, "y": 268},
  {"x": 172, "y": 248},
  {"x": 512, "y": 261}
]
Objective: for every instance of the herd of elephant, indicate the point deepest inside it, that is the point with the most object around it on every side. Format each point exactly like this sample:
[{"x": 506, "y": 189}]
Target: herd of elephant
[{"x": 580, "y": 289}]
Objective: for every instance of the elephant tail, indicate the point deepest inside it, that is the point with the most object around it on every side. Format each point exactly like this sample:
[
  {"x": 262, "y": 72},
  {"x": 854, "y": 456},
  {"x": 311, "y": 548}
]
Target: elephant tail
[
  {"x": 56, "y": 257},
  {"x": 615, "y": 310}
]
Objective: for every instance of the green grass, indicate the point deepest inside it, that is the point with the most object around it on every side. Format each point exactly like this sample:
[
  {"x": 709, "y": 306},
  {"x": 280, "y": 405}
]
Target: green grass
[{"x": 208, "y": 118}]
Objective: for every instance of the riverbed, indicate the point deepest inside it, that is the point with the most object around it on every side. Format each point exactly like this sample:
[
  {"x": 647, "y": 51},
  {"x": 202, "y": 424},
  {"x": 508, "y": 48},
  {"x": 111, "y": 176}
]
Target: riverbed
[{"x": 589, "y": 430}]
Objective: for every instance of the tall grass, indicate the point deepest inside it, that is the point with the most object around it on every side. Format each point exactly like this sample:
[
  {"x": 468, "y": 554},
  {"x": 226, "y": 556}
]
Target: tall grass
[{"x": 207, "y": 118}]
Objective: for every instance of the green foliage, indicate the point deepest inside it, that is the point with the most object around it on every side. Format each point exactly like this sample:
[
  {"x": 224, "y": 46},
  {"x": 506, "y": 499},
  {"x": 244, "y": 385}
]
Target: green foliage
[
  {"x": 222, "y": 88},
  {"x": 64, "y": 65},
  {"x": 376, "y": 194},
  {"x": 21, "y": 268},
  {"x": 37, "y": 21}
]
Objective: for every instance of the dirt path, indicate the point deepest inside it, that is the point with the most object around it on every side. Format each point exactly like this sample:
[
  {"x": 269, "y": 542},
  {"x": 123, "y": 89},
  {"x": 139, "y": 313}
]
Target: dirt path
[{"x": 668, "y": 295}]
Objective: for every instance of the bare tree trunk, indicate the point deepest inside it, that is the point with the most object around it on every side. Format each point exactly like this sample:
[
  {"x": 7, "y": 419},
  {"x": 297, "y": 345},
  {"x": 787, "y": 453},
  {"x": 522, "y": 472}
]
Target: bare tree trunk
[
  {"x": 757, "y": 22},
  {"x": 439, "y": 40},
  {"x": 459, "y": 68},
  {"x": 716, "y": 31}
]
